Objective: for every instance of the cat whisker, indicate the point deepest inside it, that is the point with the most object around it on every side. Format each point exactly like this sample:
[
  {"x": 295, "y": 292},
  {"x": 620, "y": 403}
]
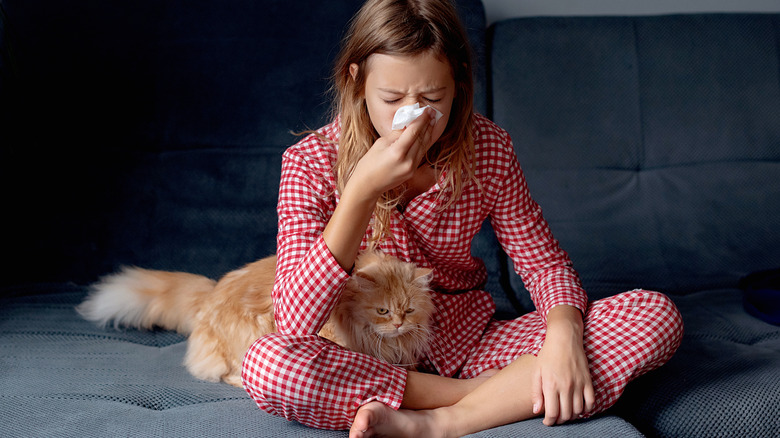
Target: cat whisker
[
  {"x": 405, "y": 365},
  {"x": 377, "y": 348},
  {"x": 432, "y": 338}
]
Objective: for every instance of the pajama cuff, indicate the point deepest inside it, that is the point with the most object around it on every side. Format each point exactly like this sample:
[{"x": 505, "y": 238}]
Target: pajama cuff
[{"x": 391, "y": 388}]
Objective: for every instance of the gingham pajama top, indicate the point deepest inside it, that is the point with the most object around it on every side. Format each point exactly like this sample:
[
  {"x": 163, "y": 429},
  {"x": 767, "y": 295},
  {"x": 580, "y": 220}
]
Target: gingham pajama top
[
  {"x": 299, "y": 376},
  {"x": 309, "y": 280}
]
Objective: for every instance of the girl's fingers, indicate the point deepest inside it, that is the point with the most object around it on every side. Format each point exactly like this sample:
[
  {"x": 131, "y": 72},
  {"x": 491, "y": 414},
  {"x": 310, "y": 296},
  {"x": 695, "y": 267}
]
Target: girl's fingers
[
  {"x": 417, "y": 135},
  {"x": 423, "y": 144},
  {"x": 424, "y": 140},
  {"x": 577, "y": 405},
  {"x": 395, "y": 156},
  {"x": 552, "y": 405},
  {"x": 537, "y": 396},
  {"x": 565, "y": 408},
  {"x": 590, "y": 398}
]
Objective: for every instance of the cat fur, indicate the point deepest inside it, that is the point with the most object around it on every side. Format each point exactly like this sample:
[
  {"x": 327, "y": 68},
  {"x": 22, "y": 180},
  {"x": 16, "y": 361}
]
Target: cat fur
[{"x": 222, "y": 319}]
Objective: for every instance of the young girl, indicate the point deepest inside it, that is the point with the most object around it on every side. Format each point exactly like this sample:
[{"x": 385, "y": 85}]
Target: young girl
[{"x": 421, "y": 194}]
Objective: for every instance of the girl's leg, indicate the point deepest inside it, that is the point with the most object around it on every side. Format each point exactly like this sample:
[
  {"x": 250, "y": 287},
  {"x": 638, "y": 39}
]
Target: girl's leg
[
  {"x": 625, "y": 336},
  {"x": 504, "y": 398},
  {"x": 318, "y": 383}
]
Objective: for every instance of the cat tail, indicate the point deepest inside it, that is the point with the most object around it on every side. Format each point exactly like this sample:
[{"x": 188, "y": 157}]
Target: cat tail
[{"x": 145, "y": 299}]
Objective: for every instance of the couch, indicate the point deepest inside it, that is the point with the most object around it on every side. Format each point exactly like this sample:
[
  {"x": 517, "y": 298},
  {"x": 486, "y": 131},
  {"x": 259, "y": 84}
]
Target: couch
[{"x": 150, "y": 133}]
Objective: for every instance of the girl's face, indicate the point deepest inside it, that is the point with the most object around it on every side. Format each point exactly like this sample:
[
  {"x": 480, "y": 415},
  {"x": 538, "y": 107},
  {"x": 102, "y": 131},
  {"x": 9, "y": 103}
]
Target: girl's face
[{"x": 395, "y": 81}]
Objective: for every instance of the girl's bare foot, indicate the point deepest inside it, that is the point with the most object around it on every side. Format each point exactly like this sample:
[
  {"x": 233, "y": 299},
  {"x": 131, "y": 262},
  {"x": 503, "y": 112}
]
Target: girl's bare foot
[{"x": 375, "y": 419}]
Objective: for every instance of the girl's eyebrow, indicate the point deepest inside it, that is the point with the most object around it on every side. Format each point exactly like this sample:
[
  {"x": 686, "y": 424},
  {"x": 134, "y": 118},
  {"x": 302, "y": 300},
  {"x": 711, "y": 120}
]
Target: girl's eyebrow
[{"x": 426, "y": 91}]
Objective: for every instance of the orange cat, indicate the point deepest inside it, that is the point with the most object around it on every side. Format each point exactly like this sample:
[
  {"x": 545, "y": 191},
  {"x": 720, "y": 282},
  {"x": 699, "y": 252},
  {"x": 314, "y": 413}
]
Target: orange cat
[{"x": 385, "y": 311}]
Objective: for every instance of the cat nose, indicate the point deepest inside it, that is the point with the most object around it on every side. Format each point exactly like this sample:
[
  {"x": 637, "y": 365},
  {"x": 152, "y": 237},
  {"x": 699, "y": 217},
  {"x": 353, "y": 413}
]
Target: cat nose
[{"x": 398, "y": 325}]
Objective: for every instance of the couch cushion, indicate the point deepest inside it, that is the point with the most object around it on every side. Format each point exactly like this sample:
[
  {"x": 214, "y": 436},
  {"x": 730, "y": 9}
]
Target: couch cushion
[
  {"x": 723, "y": 381},
  {"x": 650, "y": 142},
  {"x": 62, "y": 376}
]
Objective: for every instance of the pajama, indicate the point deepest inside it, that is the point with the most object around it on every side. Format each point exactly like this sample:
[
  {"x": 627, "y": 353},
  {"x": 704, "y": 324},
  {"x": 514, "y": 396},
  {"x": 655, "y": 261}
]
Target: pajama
[
  {"x": 295, "y": 374},
  {"x": 314, "y": 381}
]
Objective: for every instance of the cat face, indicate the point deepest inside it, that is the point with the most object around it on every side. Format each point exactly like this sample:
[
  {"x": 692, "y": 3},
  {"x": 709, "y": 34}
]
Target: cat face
[
  {"x": 395, "y": 314},
  {"x": 390, "y": 298},
  {"x": 385, "y": 310}
]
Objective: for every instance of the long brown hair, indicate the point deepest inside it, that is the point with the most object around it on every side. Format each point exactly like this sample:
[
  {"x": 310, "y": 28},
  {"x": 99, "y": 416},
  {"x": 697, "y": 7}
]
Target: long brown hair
[{"x": 404, "y": 28}]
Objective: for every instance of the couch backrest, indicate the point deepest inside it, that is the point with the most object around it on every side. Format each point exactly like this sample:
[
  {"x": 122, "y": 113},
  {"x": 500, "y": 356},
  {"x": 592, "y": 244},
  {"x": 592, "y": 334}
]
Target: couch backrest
[
  {"x": 150, "y": 132},
  {"x": 652, "y": 143}
]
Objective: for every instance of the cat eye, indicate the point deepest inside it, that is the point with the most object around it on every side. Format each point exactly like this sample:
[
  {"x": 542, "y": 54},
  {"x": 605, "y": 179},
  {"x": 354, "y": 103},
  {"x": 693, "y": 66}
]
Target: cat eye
[
  {"x": 381, "y": 311},
  {"x": 409, "y": 310}
]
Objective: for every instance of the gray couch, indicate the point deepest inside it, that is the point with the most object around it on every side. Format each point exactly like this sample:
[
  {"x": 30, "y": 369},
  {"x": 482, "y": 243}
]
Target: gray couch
[{"x": 150, "y": 133}]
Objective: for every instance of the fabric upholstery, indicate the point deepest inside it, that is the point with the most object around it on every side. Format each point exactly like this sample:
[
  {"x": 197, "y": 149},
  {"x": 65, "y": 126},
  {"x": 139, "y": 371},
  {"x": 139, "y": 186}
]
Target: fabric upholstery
[
  {"x": 150, "y": 133},
  {"x": 651, "y": 142},
  {"x": 133, "y": 383},
  {"x": 653, "y": 146}
]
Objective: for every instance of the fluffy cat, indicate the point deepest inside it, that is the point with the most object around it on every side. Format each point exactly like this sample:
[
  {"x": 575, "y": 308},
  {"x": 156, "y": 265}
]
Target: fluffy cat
[{"x": 385, "y": 310}]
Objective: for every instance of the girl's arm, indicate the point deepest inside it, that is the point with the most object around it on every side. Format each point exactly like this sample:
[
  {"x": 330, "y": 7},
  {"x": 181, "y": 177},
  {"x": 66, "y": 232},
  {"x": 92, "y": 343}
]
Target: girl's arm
[
  {"x": 562, "y": 387},
  {"x": 318, "y": 240},
  {"x": 308, "y": 277},
  {"x": 391, "y": 161},
  {"x": 545, "y": 268},
  {"x": 562, "y": 384}
]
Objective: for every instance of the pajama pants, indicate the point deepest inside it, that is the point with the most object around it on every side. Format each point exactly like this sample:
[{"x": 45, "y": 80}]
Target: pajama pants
[{"x": 315, "y": 382}]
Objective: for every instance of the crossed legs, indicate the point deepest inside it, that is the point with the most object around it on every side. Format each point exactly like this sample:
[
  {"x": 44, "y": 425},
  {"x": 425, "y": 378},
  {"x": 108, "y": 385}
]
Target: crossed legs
[{"x": 316, "y": 383}]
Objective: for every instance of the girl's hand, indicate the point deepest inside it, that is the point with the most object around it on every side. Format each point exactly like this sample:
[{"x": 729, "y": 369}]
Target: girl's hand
[
  {"x": 562, "y": 384},
  {"x": 394, "y": 158}
]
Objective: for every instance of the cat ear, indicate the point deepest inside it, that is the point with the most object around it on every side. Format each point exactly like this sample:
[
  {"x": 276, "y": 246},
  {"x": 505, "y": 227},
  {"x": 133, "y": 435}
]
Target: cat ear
[
  {"x": 368, "y": 258},
  {"x": 363, "y": 280},
  {"x": 367, "y": 263},
  {"x": 423, "y": 276}
]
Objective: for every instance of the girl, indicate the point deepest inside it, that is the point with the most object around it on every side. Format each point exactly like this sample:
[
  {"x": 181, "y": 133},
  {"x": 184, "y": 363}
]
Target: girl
[{"x": 421, "y": 194}]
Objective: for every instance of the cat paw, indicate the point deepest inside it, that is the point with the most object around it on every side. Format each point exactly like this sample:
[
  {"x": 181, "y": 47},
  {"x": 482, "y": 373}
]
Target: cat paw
[{"x": 234, "y": 380}]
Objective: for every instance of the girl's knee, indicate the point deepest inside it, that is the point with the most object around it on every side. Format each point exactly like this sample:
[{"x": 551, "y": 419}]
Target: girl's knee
[
  {"x": 644, "y": 304},
  {"x": 670, "y": 325},
  {"x": 267, "y": 367},
  {"x": 628, "y": 335},
  {"x": 641, "y": 330},
  {"x": 256, "y": 373},
  {"x": 645, "y": 310},
  {"x": 285, "y": 376},
  {"x": 665, "y": 316}
]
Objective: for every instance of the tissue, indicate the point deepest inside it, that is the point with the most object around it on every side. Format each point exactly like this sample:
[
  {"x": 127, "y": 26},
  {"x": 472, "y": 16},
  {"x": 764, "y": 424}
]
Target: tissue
[{"x": 406, "y": 114}]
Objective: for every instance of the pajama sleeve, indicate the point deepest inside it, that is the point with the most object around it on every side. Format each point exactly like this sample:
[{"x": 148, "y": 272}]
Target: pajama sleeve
[
  {"x": 545, "y": 268},
  {"x": 308, "y": 278}
]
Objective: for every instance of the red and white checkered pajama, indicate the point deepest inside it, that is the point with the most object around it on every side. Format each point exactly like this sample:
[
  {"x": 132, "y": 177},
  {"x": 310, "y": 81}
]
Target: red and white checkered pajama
[
  {"x": 302, "y": 377},
  {"x": 317, "y": 383}
]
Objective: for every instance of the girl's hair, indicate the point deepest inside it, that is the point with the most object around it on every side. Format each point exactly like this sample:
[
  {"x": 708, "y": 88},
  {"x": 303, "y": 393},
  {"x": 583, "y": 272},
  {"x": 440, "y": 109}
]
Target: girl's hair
[{"x": 404, "y": 28}]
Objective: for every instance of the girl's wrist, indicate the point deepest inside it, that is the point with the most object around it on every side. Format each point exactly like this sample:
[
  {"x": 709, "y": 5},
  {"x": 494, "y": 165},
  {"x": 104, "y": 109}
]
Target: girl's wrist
[
  {"x": 360, "y": 196},
  {"x": 564, "y": 320},
  {"x": 347, "y": 226}
]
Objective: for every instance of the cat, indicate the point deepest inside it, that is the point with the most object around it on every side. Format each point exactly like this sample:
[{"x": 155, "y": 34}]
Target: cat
[{"x": 384, "y": 310}]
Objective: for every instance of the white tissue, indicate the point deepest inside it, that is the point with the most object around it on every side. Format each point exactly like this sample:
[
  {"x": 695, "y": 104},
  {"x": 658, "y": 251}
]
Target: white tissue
[{"x": 406, "y": 115}]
